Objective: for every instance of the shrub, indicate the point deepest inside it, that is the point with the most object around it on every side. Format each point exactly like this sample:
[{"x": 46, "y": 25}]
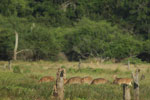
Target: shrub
[
  {"x": 100, "y": 39},
  {"x": 88, "y": 38},
  {"x": 43, "y": 44},
  {"x": 132, "y": 61},
  {"x": 6, "y": 44},
  {"x": 63, "y": 66},
  {"x": 16, "y": 69}
]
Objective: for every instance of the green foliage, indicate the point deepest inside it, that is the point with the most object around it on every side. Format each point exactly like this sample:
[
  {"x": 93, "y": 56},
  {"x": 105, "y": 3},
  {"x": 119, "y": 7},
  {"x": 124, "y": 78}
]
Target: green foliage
[
  {"x": 86, "y": 39},
  {"x": 117, "y": 70},
  {"x": 100, "y": 39},
  {"x": 96, "y": 92},
  {"x": 125, "y": 46},
  {"x": 132, "y": 61},
  {"x": 6, "y": 47},
  {"x": 42, "y": 43},
  {"x": 14, "y": 7},
  {"x": 110, "y": 29},
  {"x": 146, "y": 46},
  {"x": 26, "y": 70},
  {"x": 63, "y": 66},
  {"x": 91, "y": 71},
  {"x": 16, "y": 69}
]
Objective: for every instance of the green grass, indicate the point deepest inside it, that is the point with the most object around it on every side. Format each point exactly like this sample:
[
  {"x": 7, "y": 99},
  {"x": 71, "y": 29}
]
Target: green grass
[{"x": 24, "y": 85}]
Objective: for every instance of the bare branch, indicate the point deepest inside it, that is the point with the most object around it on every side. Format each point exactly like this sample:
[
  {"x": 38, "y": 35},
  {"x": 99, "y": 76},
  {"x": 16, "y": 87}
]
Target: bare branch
[{"x": 23, "y": 50}]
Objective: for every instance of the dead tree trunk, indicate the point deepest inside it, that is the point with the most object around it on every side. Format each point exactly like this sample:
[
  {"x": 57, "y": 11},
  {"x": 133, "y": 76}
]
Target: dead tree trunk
[
  {"x": 5, "y": 66},
  {"x": 126, "y": 92},
  {"x": 58, "y": 91},
  {"x": 136, "y": 84},
  {"x": 60, "y": 88},
  {"x": 79, "y": 65},
  {"x": 128, "y": 65},
  {"x": 9, "y": 64},
  {"x": 16, "y": 47},
  {"x": 32, "y": 27}
]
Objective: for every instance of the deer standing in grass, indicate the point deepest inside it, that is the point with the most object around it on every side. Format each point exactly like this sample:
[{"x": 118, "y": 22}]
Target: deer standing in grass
[
  {"x": 86, "y": 80},
  {"x": 127, "y": 81},
  {"x": 99, "y": 81}
]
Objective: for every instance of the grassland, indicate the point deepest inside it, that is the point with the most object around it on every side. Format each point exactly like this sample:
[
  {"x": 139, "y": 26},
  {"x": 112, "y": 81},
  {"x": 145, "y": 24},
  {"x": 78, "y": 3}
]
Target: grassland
[{"x": 25, "y": 86}]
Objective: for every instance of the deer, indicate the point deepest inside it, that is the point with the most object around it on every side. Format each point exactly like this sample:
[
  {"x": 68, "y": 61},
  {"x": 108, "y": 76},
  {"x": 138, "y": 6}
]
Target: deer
[
  {"x": 47, "y": 79},
  {"x": 99, "y": 81},
  {"x": 74, "y": 80},
  {"x": 65, "y": 80},
  {"x": 120, "y": 81},
  {"x": 86, "y": 80}
]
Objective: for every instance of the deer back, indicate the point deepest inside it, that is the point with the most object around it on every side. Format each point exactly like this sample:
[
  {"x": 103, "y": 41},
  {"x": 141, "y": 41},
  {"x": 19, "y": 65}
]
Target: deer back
[
  {"x": 47, "y": 79},
  {"x": 120, "y": 81},
  {"x": 86, "y": 80},
  {"x": 99, "y": 81},
  {"x": 74, "y": 80}
]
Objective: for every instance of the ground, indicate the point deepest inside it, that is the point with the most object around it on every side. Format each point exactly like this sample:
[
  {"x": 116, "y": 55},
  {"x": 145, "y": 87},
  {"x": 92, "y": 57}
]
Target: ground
[{"x": 23, "y": 84}]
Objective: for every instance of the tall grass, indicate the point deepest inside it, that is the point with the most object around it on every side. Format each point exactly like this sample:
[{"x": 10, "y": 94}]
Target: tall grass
[{"x": 24, "y": 85}]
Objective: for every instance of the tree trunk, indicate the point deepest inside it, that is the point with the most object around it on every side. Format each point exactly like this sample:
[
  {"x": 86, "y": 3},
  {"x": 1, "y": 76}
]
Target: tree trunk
[
  {"x": 9, "y": 64},
  {"x": 5, "y": 66},
  {"x": 58, "y": 91},
  {"x": 60, "y": 88},
  {"x": 128, "y": 65},
  {"x": 16, "y": 47},
  {"x": 79, "y": 65},
  {"x": 126, "y": 92},
  {"x": 136, "y": 84},
  {"x": 148, "y": 33}
]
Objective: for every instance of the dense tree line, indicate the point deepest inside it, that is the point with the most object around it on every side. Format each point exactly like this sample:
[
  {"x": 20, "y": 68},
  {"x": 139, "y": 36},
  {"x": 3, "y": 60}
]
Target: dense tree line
[{"x": 86, "y": 28}]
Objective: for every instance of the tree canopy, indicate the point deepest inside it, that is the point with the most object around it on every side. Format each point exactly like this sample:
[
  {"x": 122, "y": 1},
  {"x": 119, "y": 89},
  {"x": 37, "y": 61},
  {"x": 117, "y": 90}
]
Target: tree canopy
[{"x": 86, "y": 28}]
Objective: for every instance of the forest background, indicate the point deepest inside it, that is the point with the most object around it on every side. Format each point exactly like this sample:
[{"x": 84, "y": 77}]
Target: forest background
[{"x": 75, "y": 29}]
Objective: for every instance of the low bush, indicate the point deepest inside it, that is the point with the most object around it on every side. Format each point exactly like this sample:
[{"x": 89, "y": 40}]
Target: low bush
[{"x": 16, "y": 69}]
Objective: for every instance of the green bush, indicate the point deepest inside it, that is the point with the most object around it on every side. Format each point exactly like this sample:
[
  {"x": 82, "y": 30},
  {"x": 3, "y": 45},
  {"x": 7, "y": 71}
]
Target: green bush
[
  {"x": 101, "y": 39},
  {"x": 132, "y": 61},
  {"x": 43, "y": 44},
  {"x": 63, "y": 66},
  {"x": 124, "y": 46},
  {"x": 16, "y": 69},
  {"x": 90, "y": 71},
  {"x": 86, "y": 39},
  {"x": 39, "y": 41},
  {"x": 6, "y": 44}
]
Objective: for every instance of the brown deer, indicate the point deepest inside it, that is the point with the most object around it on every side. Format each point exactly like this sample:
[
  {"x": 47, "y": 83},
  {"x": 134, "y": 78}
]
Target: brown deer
[
  {"x": 47, "y": 79},
  {"x": 74, "y": 80},
  {"x": 86, "y": 80},
  {"x": 99, "y": 81},
  {"x": 65, "y": 81},
  {"x": 127, "y": 81}
]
